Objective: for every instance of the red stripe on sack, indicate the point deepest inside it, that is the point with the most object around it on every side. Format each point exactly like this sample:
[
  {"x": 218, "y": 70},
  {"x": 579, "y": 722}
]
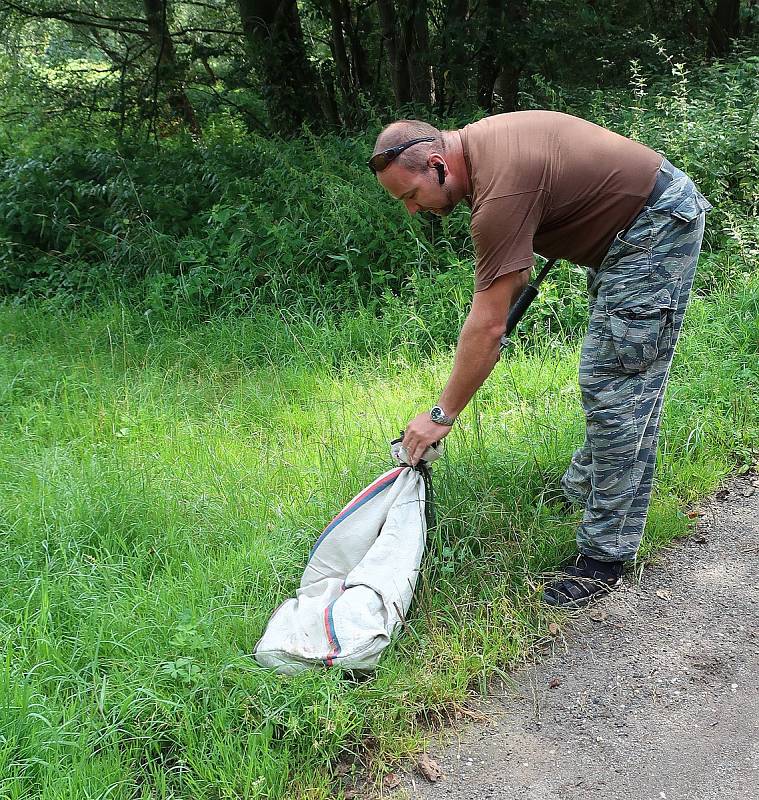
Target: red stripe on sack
[
  {"x": 331, "y": 636},
  {"x": 389, "y": 478}
]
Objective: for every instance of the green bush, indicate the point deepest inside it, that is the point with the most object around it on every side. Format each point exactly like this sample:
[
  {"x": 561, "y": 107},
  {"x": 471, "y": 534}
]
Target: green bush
[{"x": 237, "y": 219}]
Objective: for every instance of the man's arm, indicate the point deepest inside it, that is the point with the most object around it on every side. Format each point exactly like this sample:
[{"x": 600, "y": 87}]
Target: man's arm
[
  {"x": 478, "y": 347},
  {"x": 476, "y": 354}
]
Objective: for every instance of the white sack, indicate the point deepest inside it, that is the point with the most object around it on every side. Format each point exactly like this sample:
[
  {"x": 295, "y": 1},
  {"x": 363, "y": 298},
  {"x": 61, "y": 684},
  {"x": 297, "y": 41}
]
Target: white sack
[{"x": 359, "y": 580}]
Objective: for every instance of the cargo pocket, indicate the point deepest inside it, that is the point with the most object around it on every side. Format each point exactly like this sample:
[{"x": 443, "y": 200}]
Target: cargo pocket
[
  {"x": 641, "y": 328},
  {"x": 691, "y": 207},
  {"x": 685, "y": 207}
]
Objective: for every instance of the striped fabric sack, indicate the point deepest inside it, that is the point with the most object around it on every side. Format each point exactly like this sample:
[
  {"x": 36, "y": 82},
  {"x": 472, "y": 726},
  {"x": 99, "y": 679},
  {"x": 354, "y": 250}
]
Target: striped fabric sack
[{"x": 359, "y": 581}]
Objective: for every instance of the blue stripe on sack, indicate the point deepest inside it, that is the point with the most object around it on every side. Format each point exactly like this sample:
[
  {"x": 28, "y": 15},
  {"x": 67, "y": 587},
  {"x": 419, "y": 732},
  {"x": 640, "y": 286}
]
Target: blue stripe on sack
[{"x": 346, "y": 512}]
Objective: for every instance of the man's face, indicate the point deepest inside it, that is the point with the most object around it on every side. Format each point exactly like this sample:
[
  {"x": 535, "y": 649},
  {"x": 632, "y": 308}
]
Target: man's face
[{"x": 419, "y": 191}]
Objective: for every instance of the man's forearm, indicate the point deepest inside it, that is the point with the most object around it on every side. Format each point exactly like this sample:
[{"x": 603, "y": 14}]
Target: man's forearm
[{"x": 476, "y": 354}]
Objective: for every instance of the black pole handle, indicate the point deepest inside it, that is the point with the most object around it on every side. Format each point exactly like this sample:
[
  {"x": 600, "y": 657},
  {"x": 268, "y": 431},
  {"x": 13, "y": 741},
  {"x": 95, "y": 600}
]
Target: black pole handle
[
  {"x": 527, "y": 295},
  {"x": 516, "y": 312}
]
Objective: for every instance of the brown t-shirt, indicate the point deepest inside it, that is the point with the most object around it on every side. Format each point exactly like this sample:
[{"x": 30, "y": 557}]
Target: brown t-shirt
[{"x": 550, "y": 183}]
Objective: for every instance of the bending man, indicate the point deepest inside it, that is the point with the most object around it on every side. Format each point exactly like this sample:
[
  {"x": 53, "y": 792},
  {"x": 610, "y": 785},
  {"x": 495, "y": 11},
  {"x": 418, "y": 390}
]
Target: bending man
[{"x": 565, "y": 188}]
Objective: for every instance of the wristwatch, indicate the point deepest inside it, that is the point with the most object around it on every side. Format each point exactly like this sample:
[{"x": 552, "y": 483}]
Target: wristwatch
[{"x": 438, "y": 415}]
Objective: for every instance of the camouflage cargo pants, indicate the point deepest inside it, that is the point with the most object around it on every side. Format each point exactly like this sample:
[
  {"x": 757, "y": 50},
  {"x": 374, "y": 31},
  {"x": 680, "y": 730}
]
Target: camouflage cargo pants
[{"x": 637, "y": 299}]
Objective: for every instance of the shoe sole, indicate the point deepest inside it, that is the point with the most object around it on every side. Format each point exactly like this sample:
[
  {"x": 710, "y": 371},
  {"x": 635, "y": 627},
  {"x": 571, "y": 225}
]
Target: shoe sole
[{"x": 583, "y": 601}]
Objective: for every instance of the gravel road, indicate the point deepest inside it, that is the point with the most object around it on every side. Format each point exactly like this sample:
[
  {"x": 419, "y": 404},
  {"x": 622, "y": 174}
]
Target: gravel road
[{"x": 652, "y": 695}]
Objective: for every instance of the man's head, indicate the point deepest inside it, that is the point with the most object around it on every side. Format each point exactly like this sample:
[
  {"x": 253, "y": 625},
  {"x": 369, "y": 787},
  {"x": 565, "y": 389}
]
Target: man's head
[{"x": 421, "y": 174}]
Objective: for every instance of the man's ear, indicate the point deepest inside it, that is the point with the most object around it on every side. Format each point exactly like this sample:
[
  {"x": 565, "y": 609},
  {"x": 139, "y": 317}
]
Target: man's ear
[{"x": 439, "y": 165}]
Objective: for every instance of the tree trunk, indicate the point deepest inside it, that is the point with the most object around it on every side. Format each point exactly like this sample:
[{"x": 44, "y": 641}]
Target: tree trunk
[
  {"x": 339, "y": 53},
  {"x": 724, "y": 25},
  {"x": 274, "y": 40},
  {"x": 167, "y": 72},
  {"x": 327, "y": 98},
  {"x": 452, "y": 75},
  {"x": 396, "y": 56},
  {"x": 416, "y": 38},
  {"x": 506, "y": 88},
  {"x": 488, "y": 56},
  {"x": 362, "y": 78},
  {"x": 511, "y": 58}
]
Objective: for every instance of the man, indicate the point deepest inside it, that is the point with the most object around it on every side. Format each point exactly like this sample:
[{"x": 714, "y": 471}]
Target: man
[{"x": 566, "y": 188}]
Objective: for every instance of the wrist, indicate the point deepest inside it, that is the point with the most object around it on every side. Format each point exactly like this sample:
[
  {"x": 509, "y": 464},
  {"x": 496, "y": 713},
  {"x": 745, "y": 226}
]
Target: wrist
[{"x": 441, "y": 417}]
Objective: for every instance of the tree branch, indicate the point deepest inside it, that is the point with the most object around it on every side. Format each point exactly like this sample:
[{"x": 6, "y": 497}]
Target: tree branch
[
  {"x": 62, "y": 16},
  {"x": 56, "y": 13},
  {"x": 183, "y": 31}
]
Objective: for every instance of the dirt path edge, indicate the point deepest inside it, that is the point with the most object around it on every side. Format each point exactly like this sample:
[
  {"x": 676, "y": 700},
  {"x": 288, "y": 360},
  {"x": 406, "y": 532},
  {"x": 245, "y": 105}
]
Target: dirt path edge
[{"x": 654, "y": 694}]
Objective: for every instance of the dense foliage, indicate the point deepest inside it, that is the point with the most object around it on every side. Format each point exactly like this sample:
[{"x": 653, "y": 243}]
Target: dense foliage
[
  {"x": 160, "y": 65},
  {"x": 236, "y": 218}
]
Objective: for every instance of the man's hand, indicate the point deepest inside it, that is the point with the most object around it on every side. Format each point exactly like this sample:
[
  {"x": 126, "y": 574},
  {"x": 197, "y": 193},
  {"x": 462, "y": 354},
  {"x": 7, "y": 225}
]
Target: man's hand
[{"x": 421, "y": 432}]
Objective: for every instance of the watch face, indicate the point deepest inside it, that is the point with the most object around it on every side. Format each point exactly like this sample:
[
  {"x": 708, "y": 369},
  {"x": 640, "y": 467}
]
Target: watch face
[{"x": 436, "y": 413}]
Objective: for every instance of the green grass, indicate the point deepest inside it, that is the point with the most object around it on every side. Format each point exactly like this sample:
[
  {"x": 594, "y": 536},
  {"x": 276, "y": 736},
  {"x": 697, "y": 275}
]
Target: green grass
[{"x": 160, "y": 486}]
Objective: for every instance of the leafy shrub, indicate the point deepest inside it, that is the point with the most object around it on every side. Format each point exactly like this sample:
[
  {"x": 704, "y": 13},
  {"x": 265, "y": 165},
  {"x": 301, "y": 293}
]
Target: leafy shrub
[{"x": 238, "y": 219}]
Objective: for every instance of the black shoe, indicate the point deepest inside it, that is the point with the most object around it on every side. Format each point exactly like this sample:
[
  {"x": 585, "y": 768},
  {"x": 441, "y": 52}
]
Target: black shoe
[{"x": 587, "y": 579}]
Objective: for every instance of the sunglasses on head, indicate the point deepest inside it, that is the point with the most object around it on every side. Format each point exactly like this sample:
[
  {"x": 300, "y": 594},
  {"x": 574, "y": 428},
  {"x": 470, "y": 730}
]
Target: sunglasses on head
[{"x": 380, "y": 161}]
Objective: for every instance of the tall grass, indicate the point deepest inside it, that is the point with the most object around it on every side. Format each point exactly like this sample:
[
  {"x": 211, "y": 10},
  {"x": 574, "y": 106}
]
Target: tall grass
[{"x": 160, "y": 487}]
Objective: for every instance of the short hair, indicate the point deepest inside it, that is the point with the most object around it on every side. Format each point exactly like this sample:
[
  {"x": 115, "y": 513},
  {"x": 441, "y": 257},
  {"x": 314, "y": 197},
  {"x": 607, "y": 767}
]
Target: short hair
[{"x": 403, "y": 130}]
